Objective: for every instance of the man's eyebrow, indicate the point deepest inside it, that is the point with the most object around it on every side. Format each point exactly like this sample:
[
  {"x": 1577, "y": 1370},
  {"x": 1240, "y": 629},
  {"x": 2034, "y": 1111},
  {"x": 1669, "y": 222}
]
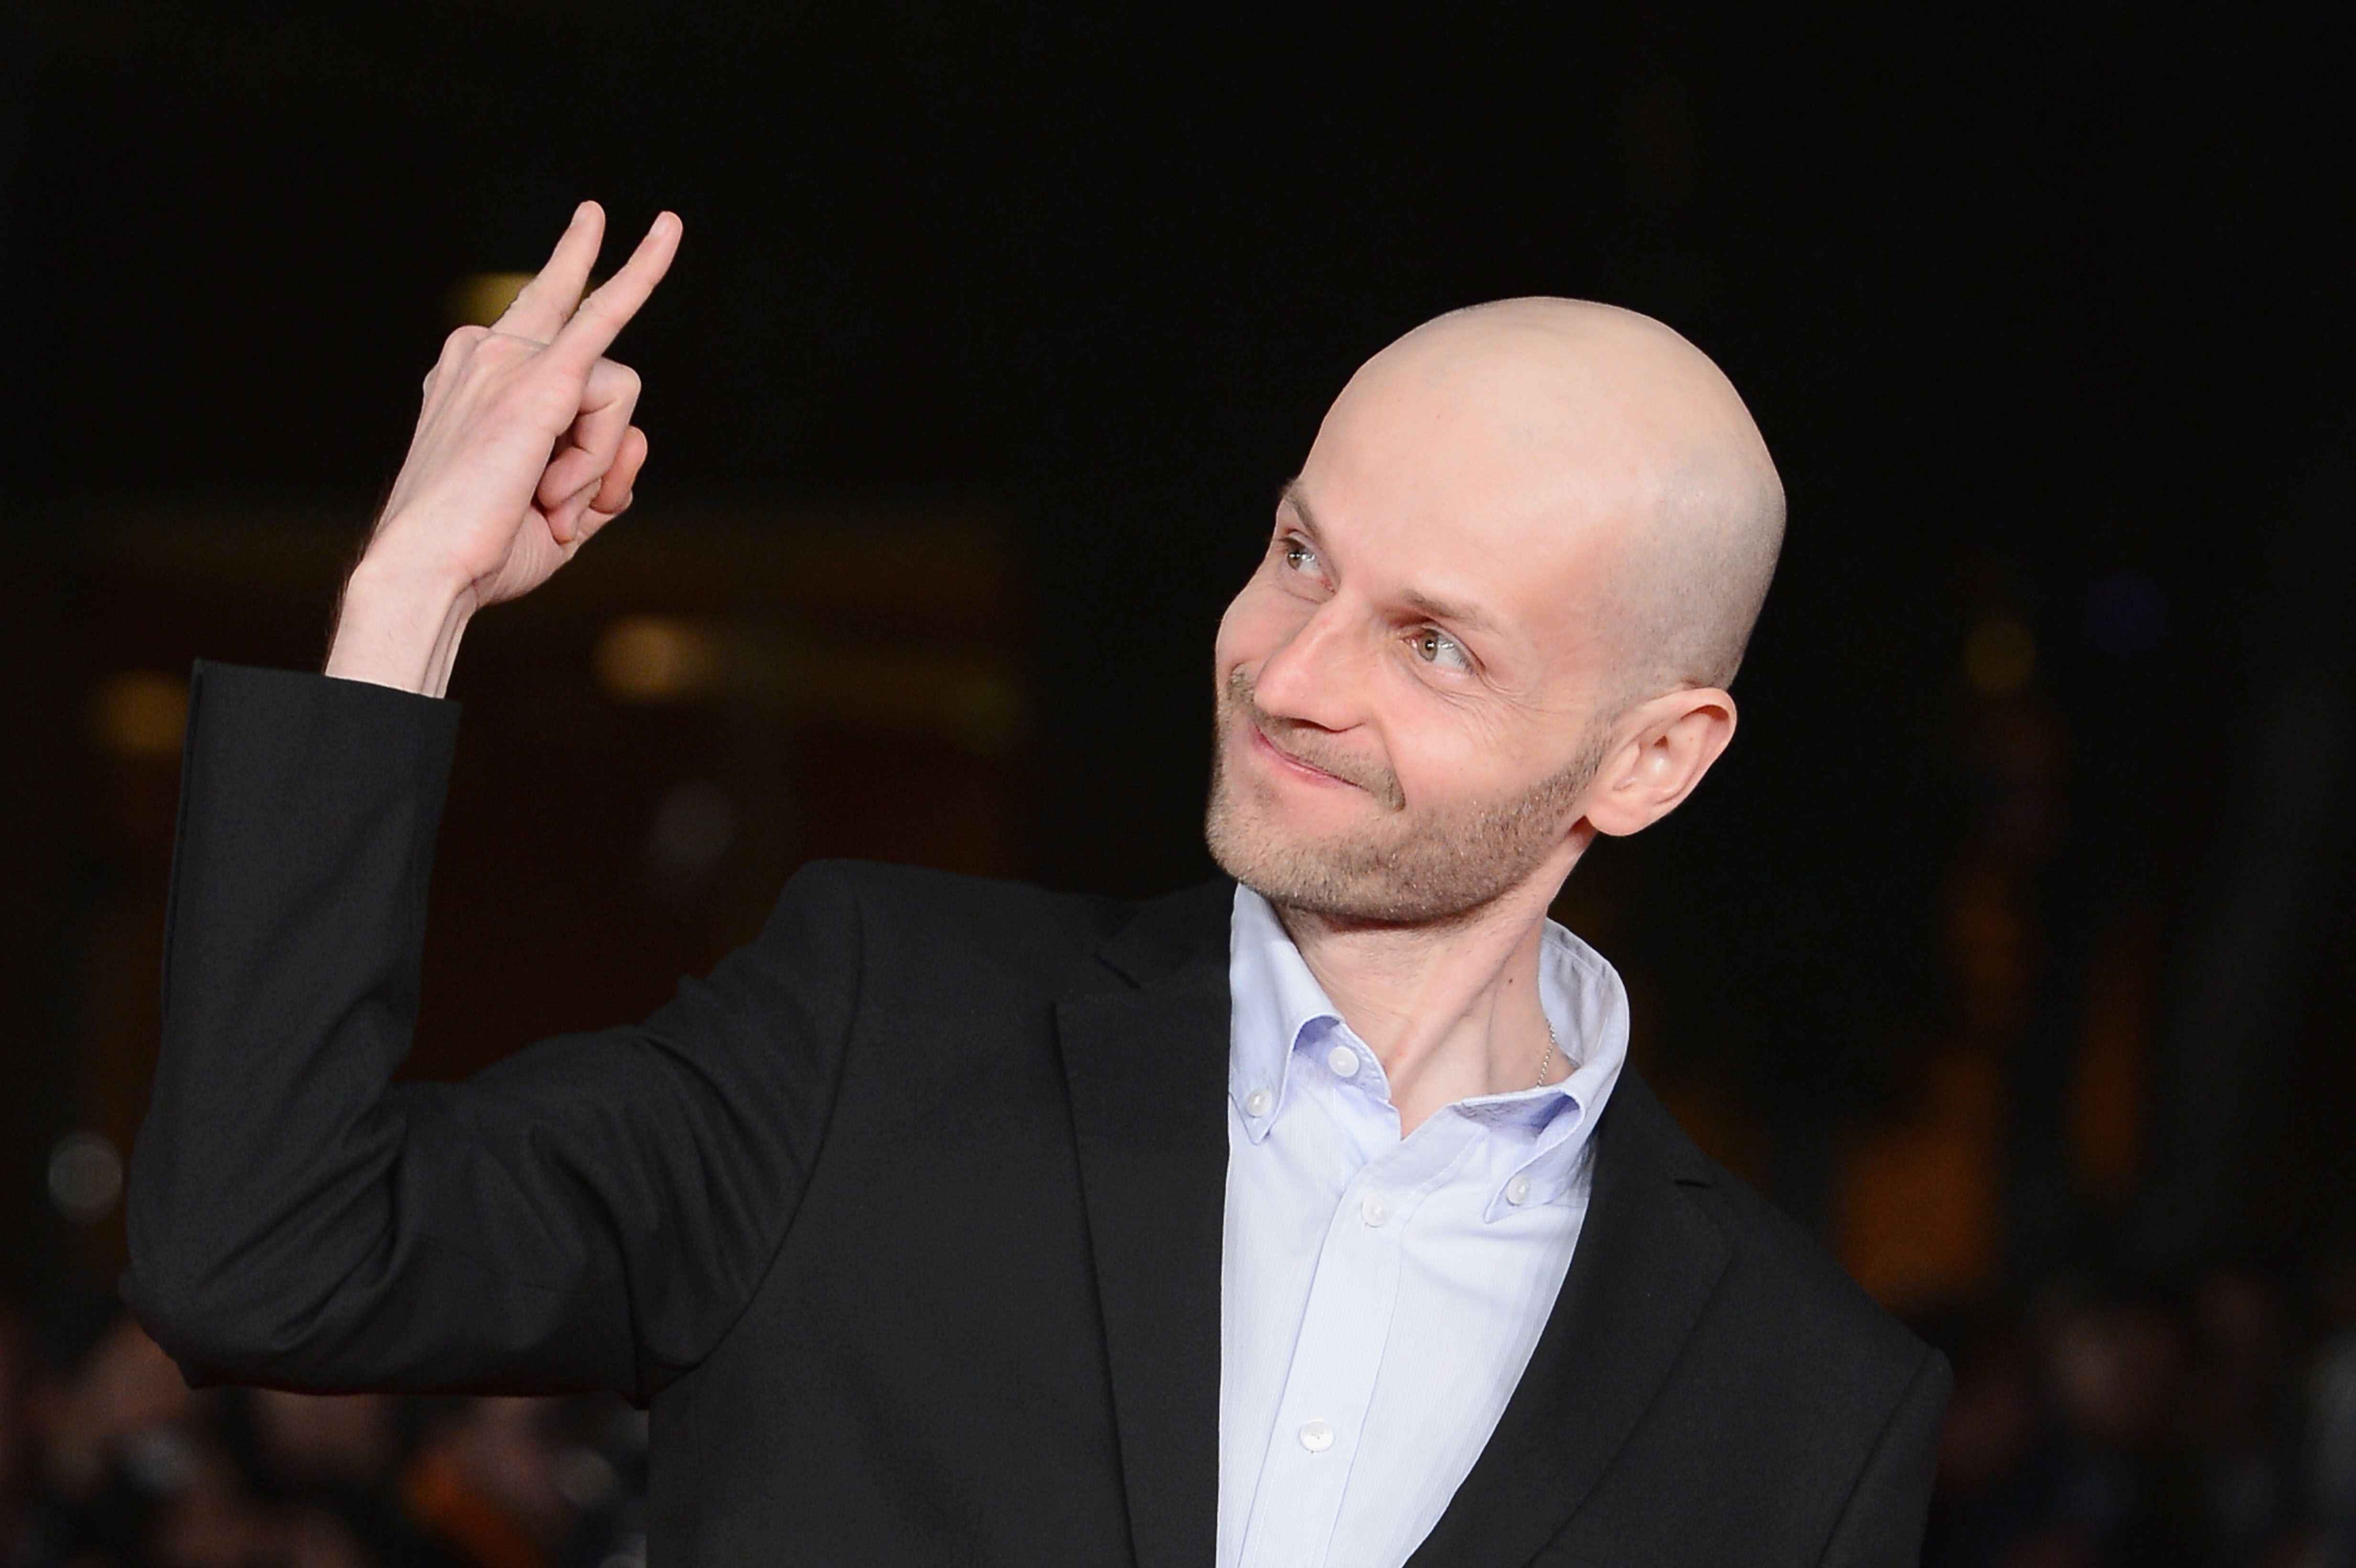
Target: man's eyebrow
[
  {"x": 1291, "y": 496},
  {"x": 1463, "y": 615},
  {"x": 1415, "y": 599}
]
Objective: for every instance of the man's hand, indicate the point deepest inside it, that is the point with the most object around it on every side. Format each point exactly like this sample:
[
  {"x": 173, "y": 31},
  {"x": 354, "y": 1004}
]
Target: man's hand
[{"x": 523, "y": 450}]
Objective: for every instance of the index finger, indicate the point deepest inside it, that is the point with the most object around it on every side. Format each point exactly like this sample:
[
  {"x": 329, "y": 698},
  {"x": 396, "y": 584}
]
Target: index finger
[
  {"x": 593, "y": 326},
  {"x": 539, "y": 310}
]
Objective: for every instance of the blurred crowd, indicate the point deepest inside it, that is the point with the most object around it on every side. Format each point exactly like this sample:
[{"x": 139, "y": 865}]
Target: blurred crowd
[
  {"x": 2112, "y": 1421},
  {"x": 2107, "y": 1423},
  {"x": 108, "y": 1460}
]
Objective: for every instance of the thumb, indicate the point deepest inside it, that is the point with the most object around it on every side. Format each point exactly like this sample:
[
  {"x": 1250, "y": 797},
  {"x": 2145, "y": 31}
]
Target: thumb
[{"x": 564, "y": 518}]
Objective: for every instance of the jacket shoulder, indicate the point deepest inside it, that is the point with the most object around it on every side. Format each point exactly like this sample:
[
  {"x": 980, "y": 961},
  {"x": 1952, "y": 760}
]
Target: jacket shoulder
[
  {"x": 1783, "y": 1276},
  {"x": 946, "y": 920}
]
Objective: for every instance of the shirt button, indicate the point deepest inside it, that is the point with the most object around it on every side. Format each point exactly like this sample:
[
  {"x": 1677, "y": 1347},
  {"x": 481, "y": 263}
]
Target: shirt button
[
  {"x": 1343, "y": 1060},
  {"x": 1517, "y": 1191},
  {"x": 1257, "y": 1103},
  {"x": 1374, "y": 1211},
  {"x": 1317, "y": 1436}
]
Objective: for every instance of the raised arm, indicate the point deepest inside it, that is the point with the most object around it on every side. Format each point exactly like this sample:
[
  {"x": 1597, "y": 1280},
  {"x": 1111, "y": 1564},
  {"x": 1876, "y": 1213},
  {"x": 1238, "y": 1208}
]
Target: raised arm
[
  {"x": 592, "y": 1212},
  {"x": 524, "y": 448}
]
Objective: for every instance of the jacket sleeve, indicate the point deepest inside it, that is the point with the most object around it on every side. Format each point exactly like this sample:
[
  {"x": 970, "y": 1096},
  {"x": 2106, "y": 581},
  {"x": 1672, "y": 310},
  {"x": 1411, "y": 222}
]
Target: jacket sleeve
[
  {"x": 591, "y": 1213},
  {"x": 1881, "y": 1527}
]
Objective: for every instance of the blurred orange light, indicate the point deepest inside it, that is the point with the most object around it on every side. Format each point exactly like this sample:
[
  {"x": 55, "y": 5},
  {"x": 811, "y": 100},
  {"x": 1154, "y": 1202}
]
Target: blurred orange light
[
  {"x": 1999, "y": 654},
  {"x": 657, "y": 658},
  {"x": 479, "y": 299},
  {"x": 140, "y": 713}
]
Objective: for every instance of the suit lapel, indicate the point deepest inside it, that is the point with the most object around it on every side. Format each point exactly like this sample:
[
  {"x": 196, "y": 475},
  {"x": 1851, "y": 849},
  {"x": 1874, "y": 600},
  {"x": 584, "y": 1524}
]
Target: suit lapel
[
  {"x": 1148, "y": 1070},
  {"x": 1147, "y": 1066},
  {"x": 1647, "y": 1259}
]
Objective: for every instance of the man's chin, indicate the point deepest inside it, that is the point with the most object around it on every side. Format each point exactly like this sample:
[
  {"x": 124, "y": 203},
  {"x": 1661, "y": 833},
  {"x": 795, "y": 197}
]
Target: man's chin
[
  {"x": 1316, "y": 875},
  {"x": 1416, "y": 878}
]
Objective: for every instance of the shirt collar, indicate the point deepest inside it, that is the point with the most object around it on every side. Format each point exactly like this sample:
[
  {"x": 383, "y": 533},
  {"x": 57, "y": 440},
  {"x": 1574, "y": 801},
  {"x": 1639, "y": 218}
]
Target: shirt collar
[
  {"x": 1275, "y": 1002},
  {"x": 1278, "y": 1009}
]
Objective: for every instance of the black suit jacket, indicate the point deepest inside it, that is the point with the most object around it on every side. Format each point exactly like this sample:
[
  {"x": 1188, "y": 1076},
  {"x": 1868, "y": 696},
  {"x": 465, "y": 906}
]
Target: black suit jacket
[{"x": 906, "y": 1222}]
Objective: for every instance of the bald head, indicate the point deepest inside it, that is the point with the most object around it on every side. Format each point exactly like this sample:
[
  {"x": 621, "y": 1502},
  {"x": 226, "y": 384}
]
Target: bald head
[
  {"x": 1497, "y": 613},
  {"x": 1607, "y": 424}
]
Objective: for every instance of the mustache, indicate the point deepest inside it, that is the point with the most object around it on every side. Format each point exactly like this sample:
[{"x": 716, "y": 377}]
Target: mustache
[{"x": 1307, "y": 743}]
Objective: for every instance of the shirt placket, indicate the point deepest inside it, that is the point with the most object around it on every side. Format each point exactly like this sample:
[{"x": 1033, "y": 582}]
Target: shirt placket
[{"x": 1345, "y": 1333}]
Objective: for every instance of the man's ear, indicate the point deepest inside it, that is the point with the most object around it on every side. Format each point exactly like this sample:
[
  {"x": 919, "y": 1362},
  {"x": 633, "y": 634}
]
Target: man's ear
[{"x": 1660, "y": 750}]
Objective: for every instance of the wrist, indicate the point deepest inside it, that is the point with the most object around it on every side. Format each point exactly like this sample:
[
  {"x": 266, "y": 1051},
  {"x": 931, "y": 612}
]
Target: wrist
[{"x": 399, "y": 624}]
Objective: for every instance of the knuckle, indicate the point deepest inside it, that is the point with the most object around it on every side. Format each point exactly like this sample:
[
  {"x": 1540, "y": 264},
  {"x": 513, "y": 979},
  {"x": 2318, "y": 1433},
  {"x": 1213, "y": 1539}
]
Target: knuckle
[
  {"x": 505, "y": 349},
  {"x": 538, "y": 401}
]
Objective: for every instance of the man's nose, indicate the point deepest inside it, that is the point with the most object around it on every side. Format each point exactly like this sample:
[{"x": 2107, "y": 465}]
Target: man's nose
[{"x": 1317, "y": 675}]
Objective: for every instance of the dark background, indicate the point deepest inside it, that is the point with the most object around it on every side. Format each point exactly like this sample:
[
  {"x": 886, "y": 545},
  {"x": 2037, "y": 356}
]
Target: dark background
[{"x": 2008, "y": 948}]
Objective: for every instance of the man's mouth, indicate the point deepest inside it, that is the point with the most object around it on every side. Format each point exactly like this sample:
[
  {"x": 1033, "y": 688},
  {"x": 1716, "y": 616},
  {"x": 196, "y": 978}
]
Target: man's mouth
[
  {"x": 1285, "y": 760},
  {"x": 1367, "y": 777}
]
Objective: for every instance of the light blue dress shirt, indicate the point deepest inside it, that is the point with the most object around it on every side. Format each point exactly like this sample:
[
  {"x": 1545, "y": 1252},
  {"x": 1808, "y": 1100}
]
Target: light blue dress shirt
[{"x": 1381, "y": 1295}]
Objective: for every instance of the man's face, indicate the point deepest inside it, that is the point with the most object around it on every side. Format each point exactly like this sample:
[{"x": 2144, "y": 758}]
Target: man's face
[{"x": 1410, "y": 685}]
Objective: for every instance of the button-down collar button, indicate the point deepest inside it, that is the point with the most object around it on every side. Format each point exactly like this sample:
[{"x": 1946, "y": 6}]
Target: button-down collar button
[
  {"x": 1517, "y": 1191},
  {"x": 1343, "y": 1060},
  {"x": 1317, "y": 1436},
  {"x": 1374, "y": 1211},
  {"x": 1257, "y": 1103}
]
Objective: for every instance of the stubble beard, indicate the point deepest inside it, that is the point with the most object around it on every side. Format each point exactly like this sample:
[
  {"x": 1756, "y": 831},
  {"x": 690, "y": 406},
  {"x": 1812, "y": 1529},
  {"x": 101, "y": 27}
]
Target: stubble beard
[{"x": 1409, "y": 865}]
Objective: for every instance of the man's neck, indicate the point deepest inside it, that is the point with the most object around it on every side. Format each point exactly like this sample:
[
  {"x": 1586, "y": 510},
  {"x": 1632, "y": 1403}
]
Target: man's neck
[{"x": 1450, "y": 1010}]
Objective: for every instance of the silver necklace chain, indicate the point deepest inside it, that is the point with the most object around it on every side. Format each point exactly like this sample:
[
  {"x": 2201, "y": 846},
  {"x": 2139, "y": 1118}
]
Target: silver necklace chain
[{"x": 1548, "y": 1059}]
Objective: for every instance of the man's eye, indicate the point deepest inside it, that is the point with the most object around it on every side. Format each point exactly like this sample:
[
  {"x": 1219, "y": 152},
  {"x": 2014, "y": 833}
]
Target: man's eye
[
  {"x": 1299, "y": 556},
  {"x": 1435, "y": 646}
]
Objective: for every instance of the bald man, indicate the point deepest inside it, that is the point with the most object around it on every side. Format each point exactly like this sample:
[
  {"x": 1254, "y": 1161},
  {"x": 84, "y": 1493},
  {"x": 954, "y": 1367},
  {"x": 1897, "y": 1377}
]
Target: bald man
[{"x": 1312, "y": 1217}]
